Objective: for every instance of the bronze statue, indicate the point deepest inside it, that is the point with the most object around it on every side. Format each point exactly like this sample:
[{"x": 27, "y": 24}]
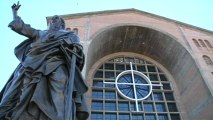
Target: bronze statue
[{"x": 47, "y": 84}]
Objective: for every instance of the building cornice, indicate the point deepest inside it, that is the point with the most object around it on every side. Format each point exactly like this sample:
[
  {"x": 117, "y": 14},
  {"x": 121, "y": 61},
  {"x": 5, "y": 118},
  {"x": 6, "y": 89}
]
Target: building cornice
[{"x": 132, "y": 10}]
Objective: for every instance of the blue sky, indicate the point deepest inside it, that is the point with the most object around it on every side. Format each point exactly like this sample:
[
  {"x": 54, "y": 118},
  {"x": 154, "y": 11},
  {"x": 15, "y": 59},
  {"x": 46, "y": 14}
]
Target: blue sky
[{"x": 34, "y": 12}]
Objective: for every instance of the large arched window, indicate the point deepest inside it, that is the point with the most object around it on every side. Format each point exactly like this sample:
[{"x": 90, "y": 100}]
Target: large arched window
[{"x": 108, "y": 104}]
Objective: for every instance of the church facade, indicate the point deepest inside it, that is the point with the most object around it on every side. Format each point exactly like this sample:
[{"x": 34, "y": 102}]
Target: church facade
[{"x": 141, "y": 66}]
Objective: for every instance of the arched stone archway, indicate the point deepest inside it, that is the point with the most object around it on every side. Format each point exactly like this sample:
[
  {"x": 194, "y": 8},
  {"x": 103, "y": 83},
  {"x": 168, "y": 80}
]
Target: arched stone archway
[{"x": 162, "y": 48}]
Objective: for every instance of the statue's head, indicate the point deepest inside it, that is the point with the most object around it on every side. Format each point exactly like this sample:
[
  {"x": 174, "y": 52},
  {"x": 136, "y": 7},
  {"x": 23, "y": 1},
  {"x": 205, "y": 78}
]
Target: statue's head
[{"x": 57, "y": 23}]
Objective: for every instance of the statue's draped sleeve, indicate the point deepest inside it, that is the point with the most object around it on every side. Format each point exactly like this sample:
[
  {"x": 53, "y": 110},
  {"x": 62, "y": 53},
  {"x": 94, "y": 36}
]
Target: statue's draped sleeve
[{"x": 21, "y": 28}]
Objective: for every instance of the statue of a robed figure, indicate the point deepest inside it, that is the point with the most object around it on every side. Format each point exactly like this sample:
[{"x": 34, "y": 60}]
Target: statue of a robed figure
[{"x": 47, "y": 84}]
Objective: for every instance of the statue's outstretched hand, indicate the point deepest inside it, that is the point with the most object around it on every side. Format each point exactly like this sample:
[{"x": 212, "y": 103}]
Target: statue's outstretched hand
[{"x": 15, "y": 8}]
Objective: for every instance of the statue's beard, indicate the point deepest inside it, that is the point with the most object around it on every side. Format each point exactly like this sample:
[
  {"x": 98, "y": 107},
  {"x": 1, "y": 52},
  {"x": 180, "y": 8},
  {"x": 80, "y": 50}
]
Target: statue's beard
[{"x": 55, "y": 27}]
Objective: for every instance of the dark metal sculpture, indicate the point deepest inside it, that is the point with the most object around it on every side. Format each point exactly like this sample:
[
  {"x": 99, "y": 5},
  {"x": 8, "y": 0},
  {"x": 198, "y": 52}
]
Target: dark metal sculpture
[{"x": 47, "y": 84}]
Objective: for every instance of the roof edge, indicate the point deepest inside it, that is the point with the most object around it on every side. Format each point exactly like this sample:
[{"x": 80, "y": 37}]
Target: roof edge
[{"x": 76, "y": 15}]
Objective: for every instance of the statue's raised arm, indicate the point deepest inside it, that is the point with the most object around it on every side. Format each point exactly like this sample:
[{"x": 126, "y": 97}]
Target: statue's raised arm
[
  {"x": 19, "y": 26},
  {"x": 15, "y": 8}
]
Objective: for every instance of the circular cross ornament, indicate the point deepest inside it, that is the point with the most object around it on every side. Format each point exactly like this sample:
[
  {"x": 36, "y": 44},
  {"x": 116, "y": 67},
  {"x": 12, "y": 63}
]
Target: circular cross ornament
[{"x": 133, "y": 85}]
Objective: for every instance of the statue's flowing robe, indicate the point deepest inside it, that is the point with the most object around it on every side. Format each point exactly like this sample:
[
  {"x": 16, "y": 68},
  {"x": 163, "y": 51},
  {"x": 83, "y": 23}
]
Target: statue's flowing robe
[{"x": 36, "y": 88}]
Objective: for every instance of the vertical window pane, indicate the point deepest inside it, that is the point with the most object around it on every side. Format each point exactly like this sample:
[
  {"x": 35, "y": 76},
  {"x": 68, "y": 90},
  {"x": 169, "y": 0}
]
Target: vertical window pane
[
  {"x": 128, "y": 67},
  {"x": 166, "y": 86},
  {"x": 97, "y": 94},
  {"x": 133, "y": 106},
  {"x": 110, "y": 95},
  {"x": 109, "y": 66},
  {"x": 150, "y": 117},
  {"x": 158, "y": 96},
  {"x": 163, "y": 77},
  {"x": 110, "y": 116},
  {"x": 123, "y": 116},
  {"x": 160, "y": 107},
  {"x": 97, "y": 116},
  {"x": 123, "y": 106},
  {"x": 153, "y": 77},
  {"x": 120, "y": 67},
  {"x": 137, "y": 117},
  {"x": 169, "y": 96},
  {"x": 110, "y": 106},
  {"x": 97, "y": 105},
  {"x": 172, "y": 107},
  {"x": 141, "y": 68},
  {"x": 99, "y": 74},
  {"x": 148, "y": 107},
  {"x": 162, "y": 117},
  {"x": 151, "y": 68},
  {"x": 109, "y": 74}
]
